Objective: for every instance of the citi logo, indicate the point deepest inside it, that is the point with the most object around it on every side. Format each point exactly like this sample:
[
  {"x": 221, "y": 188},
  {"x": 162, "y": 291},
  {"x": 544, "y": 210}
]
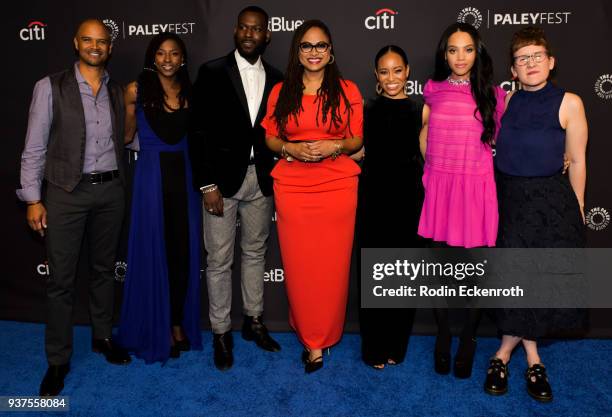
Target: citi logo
[
  {"x": 280, "y": 24},
  {"x": 35, "y": 31},
  {"x": 383, "y": 19},
  {"x": 511, "y": 85},
  {"x": 43, "y": 269}
]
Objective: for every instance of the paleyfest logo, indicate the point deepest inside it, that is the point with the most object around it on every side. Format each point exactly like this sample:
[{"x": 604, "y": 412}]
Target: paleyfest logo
[
  {"x": 597, "y": 218},
  {"x": 470, "y": 15},
  {"x": 113, "y": 27},
  {"x": 35, "y": 31},
  {"x": 382, "y": 19},
  {"x": 603, "y": 86}
]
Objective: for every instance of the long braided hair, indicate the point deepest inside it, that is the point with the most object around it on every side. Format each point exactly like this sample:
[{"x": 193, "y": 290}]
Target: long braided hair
[
  {"x": 329, "y": 95},
  {"x": 481, "y": 77}
]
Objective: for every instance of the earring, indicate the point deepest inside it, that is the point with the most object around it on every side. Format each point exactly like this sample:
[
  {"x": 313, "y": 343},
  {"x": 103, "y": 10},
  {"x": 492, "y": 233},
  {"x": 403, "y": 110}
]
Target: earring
[
  {"x": 379, "y": 89},
  {"x": 406, "y": 88},
  {"x": 182, "y": 64},
  {"x": 332, "y": 59}
]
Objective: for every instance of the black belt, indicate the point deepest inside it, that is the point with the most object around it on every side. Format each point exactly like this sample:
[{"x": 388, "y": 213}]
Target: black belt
[{"x": 100, "y": 177}]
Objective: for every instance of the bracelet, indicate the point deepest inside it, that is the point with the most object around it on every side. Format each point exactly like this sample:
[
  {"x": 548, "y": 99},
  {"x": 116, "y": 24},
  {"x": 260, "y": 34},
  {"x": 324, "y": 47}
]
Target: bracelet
[
  {"x": 33, "y": 203},
  {"x": 338, "y": 150},
  {"x": 209, "y": 189},
  {"x": 285, "y": 154}
]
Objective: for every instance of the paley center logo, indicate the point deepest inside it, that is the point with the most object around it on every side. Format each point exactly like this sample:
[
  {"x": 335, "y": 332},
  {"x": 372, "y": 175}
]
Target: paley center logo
[
  {"x": 35, "y": 31},
  {"x": 598, "y": 218},
  {"x": 470, "y": 15},
  {"x": 382, "y": 19},
  {"x": 603, "y": 86},
  {"x": 283, "y": 24},
  {"x": 113, "y": 27}
]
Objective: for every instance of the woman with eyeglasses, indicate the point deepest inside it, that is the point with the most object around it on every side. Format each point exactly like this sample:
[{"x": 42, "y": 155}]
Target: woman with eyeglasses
[
  {"x": 539, "y": 206},
  {"x": 160, "y": 315},
  {"x": 460, "y": 122},
  {"x": 313, "y": 122},
  {"x": 392, "y": 121}
]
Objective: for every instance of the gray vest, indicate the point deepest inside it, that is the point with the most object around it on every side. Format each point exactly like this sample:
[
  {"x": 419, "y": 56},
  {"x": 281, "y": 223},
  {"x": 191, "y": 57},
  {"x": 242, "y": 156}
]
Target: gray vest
[{"x": 66, "y": 147}]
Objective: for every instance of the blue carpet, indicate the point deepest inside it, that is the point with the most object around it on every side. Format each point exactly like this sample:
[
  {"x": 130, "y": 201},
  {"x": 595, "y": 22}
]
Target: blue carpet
[{"x": 274, "y": 384}]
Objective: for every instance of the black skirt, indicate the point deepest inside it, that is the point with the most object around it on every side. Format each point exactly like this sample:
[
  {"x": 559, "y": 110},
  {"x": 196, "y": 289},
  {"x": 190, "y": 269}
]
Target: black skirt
[{"x": 539, "y": 212}]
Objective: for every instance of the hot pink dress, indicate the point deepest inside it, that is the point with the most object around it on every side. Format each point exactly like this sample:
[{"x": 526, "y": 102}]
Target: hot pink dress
[{"x": 460, "y": 206}]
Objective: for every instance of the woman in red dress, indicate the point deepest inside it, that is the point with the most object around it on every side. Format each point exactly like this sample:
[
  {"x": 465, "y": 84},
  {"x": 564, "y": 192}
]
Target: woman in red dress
[{"x": 314, "y": 121}]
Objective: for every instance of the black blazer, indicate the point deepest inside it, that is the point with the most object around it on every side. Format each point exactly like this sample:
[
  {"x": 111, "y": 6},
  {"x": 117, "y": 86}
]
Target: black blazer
[{"x": 221, "y": 134}]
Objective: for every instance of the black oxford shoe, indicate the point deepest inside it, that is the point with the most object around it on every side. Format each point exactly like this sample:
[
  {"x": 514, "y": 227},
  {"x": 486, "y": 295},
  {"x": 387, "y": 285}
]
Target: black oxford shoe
[
  {"x": 111, "y": 351},
  {"x": 537, "y": 383},
  {"x": 497, "y": 377},
  {"x": 223, "y": 345},
  {"x": 253, "y": 329},
  {"x": 53, "y": 382}
]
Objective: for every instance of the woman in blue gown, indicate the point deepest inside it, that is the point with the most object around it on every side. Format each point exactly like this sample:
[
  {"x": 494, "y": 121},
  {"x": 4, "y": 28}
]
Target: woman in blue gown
[{"x": 160, "y": 315}]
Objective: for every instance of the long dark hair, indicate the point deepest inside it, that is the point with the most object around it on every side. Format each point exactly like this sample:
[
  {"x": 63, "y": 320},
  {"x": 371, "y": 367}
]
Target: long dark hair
[
  {"x": 150, "y": 91},
  {"x": 481, "y": 77},
  {"x": 330, "y": 93}
]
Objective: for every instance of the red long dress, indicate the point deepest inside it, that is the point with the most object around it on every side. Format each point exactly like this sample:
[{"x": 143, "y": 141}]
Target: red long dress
[{"x": 315, "y": 205}]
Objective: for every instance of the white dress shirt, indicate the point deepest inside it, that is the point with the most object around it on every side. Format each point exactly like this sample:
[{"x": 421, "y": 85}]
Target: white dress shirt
[{"x": 253, "y": 81}]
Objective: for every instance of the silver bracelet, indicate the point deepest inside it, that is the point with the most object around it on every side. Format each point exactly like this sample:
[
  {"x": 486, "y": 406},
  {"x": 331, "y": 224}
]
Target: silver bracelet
[{"x": 209, "y": 189}]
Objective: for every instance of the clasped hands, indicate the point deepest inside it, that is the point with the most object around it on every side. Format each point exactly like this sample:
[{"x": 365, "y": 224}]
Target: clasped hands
[{"x": 310, "y": 151}]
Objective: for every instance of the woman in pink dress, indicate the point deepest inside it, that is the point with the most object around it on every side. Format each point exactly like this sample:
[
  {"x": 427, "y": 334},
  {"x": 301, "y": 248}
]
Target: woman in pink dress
[{"x": 460, "y": 121}]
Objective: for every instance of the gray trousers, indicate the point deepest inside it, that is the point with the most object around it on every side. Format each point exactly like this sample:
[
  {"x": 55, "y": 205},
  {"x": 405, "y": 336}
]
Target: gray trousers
[
  {"x": 94, "y": 212},
  {"x": 255, "y": 213}
]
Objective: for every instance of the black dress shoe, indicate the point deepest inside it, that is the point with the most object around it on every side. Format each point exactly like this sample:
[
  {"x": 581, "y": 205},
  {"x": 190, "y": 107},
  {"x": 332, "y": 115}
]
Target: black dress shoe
[
  {"x": 464, "y": 359},
  {"x": 223, "y": 344},
  {"x": 537, "y": 383},
  {"x": 53, "y": 382},
  {"x": 254, "y": 329},
  {"x": 111, "y": 351},
  {"x": 497, "y": 377}
]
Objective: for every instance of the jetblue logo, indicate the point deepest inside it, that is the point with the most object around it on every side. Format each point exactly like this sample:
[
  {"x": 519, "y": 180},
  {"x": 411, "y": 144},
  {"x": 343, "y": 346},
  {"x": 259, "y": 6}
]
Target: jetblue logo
[{"x": 281, "y": 24}]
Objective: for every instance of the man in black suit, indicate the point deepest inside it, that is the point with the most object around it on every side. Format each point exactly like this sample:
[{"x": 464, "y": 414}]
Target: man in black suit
[{"x": 232, "y": 169}]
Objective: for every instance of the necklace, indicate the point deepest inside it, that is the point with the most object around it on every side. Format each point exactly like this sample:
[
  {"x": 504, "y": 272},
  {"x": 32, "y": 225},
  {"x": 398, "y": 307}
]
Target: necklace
[{"x": 453, "y": 81}]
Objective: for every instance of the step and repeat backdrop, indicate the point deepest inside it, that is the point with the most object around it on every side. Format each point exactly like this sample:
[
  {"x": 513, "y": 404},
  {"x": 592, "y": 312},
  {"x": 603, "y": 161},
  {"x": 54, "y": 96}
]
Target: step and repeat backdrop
[{"x": 39, "y": 34}]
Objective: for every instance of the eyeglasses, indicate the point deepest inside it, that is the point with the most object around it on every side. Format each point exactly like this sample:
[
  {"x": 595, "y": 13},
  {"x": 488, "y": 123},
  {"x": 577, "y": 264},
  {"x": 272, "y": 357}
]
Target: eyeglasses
[
  {"x": 320, "y": 47},
  {"x": 523, "y": 60}
]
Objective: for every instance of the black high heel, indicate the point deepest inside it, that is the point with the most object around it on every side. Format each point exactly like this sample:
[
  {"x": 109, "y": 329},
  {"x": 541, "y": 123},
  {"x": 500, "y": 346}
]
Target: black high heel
[
  {"x": 313, "y": 365},
  {"x": 464, "y": 359}
]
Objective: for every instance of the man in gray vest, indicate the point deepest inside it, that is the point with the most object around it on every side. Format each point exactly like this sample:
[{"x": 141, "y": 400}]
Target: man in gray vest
[{"x": 75, "y": 143}]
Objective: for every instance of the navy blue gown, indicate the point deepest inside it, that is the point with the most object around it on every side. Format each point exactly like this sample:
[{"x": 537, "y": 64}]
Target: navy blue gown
[{"x": 145, "y": 324}]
